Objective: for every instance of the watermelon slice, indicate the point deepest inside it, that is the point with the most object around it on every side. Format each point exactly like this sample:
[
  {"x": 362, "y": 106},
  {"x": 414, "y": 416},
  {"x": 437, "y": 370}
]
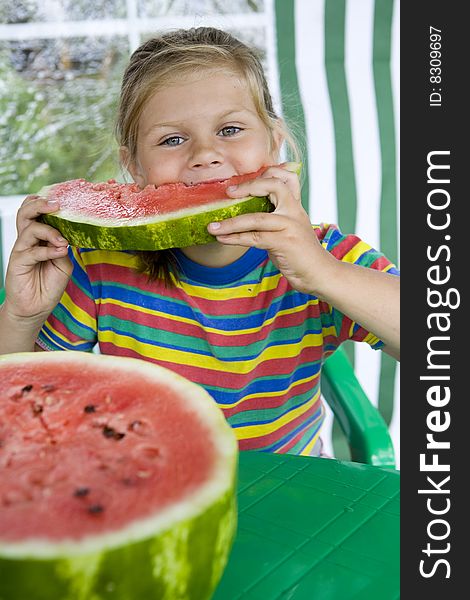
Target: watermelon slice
[
  {"x": 117, "y": 480},
  {"x": 122, "y": 216}
]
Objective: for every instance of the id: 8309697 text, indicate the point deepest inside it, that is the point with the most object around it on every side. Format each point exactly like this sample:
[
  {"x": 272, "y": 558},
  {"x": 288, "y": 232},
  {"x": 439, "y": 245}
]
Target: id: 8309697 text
[{"x": 435, "y": 66}]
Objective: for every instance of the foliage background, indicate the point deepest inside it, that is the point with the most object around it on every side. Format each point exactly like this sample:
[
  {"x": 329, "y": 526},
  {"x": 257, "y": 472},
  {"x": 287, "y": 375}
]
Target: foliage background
[{"x": 58, "y": 96}]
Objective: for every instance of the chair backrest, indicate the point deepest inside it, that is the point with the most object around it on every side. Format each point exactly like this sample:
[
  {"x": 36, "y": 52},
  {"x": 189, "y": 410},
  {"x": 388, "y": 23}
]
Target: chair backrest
[{"x": 364, "y": 427}]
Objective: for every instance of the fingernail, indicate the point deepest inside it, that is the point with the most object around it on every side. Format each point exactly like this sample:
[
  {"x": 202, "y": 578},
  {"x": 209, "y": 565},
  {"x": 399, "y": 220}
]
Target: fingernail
[
  {"x": 232, "y": 188},
  {"x": 53, "y": 202},
  {"x": 214, "y": 225},
  {"x": 60, "y": 239}
]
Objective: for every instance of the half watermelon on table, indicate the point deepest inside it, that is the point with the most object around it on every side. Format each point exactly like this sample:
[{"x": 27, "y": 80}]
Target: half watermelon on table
[
  {"x": 117, "y": 480},
  {"x": 122, "y": 216}
]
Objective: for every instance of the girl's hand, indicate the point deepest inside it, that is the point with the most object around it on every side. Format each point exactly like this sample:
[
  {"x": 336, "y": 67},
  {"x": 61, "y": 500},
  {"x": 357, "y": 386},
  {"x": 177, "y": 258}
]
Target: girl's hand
[
  {"x": 367, "y": 296},
  {"x": 286, "y": 233},
  {"x": 39, "y": 267}
]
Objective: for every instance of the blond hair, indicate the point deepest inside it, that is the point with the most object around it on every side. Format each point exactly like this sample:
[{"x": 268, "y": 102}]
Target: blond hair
[{"x": 168, "y": 58}]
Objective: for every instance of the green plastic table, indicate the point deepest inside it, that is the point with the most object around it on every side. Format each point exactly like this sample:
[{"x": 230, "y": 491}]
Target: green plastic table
[{"x": 314, "y": 529}]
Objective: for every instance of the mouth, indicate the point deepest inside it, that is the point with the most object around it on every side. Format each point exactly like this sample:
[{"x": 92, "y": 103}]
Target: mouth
[{"x": 213, "y": 180}]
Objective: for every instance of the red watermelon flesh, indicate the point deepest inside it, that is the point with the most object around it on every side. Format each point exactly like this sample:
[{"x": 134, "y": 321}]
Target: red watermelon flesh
[
  {"x": 128, "y": 201},
  {"x": 75, "y": 460}
]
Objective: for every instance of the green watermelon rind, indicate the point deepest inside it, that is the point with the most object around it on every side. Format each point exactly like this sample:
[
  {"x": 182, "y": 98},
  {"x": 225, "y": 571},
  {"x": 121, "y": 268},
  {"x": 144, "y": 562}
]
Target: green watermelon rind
[
  {"x": 174, "y": 232},
  {"x": 185, "y": 562},
  {"x": 177, "y": 555}
]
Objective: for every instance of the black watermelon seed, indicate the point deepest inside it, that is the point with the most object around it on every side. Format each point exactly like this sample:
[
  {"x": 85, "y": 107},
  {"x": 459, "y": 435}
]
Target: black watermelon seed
[
  {"x": 110, "y": 432},
  {"x": 27, "y": 388},
  {"x": 90, "y": 408},
  {"x": 95, "y": 509},
  {"x": 81, "y": 492}
]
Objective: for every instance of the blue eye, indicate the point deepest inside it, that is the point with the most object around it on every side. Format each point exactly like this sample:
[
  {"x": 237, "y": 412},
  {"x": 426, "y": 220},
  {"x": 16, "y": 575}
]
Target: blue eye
[
  {"x": 175, "y": 140},
  {"x": 230, "y": 130}
]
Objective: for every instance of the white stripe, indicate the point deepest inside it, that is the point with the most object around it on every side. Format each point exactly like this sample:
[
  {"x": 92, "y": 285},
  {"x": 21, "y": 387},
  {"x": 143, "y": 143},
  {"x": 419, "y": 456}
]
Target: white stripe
[
  {"x": 114, "y": 27},
  {"x": 272, "y": 74},
  {"x": 310, "y": 57},
  {"x": 359, "y": 30},
  {"x": 327, "y": 430},
  {"x": 132, "y": 27},
  {"x": 364, "y": 123},
  {"x": 58, "y": 29},
  {"x": 8, "y": 208},
  {"x": 367, "y": 368}
]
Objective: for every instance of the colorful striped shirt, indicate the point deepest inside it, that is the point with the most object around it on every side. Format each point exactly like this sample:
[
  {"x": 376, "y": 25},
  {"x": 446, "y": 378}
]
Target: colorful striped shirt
[{"x": 240, "y": 331}]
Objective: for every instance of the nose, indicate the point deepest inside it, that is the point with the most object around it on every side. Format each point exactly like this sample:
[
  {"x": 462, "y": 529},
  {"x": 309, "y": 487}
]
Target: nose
[{"x": 205, "y": 154}]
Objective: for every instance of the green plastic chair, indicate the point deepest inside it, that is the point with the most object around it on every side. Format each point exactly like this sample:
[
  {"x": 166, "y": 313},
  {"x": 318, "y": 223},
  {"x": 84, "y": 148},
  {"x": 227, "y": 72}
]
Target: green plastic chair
[
  {"x": 365, "y": 430},
  {"x": 361, "y": 422}
]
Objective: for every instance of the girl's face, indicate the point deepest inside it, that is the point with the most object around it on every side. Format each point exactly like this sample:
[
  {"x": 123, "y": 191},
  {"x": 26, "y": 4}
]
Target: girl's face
[{"x": 201, "y": 129}]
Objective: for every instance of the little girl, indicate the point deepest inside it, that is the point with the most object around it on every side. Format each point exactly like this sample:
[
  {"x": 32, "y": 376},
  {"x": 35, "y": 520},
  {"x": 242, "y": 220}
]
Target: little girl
[{"x": 251, "y": 316}]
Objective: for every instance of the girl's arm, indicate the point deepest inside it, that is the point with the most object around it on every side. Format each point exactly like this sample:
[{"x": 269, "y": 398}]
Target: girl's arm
[
  {"x": 37, "y": 274},
  {"x": 369, "y": 297}
]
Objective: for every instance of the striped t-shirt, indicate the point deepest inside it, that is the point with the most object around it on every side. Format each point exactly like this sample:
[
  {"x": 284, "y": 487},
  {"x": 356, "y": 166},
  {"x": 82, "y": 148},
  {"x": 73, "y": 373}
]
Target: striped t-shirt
[{"x": 241, "y": 331}]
